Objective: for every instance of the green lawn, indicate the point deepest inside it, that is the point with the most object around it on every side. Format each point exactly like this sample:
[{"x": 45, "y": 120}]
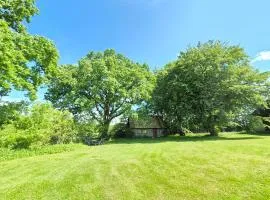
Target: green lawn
[{"x": 233, "y": 166}]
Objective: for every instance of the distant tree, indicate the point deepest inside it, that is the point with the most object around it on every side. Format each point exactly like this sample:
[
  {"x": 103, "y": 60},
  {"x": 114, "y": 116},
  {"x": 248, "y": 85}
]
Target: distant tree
[
  {"x": 207, "y": 86},
  {"x": 103, "y": 85},
  {"x": 25, "y": 60}
]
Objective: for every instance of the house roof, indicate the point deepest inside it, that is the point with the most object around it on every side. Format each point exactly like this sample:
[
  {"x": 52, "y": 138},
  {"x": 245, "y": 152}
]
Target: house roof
[{"x": 146, "y": 122}]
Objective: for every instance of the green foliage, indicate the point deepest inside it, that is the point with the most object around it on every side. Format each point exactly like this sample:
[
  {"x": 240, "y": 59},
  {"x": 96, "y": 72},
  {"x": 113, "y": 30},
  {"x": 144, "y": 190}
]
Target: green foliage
[
  {"x": 207, "y": 86},
  {"x": 263, "y": 112},
  {"x": 42, "y": 125},
  {"x": 103, "y": 85},
  {"x": 26, "y": 61},
  {"x": 15, "y": 12},
  {"x": 255, "y": 124},
  {"x": 87, "y": 130},
  {"x": 121, "y": 130},
  {"x": 11, "y": 111}
]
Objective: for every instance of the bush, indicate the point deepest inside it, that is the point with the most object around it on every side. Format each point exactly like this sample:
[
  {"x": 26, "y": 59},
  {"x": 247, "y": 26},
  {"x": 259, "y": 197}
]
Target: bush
[
  {"x": 214, "y": 131},
  {"x": 255, "y": 124},
  {"x": 42, "y": 125},
  {"x": 10, "y": 111},
  {"x": 121, "y": 130},
  {"x": 14, "y": 138},
  {"x": 87, "y": 130}
]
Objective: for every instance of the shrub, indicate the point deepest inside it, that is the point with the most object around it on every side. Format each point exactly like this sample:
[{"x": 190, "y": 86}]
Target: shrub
[
  {"x": 255, "y": 124},
  {"x": 42, "y": 125},
  {"x": 214, "y": 131},
  {"x": 14, "y": 138},
  {"x": 121, "y": 130},
  {"x": 10, "y": 111},
  {"x": 87, "y": 130}
]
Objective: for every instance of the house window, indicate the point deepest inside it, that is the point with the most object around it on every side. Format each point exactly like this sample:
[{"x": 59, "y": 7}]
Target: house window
[{"x": 144, "y": 132}]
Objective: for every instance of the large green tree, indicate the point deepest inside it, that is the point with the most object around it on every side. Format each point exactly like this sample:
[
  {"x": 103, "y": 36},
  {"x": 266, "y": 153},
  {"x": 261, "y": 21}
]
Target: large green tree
[
  {"x": 208, "y": 86},
  {"x": 26, "y": 61},
  {"x": 103, "y": 85}
]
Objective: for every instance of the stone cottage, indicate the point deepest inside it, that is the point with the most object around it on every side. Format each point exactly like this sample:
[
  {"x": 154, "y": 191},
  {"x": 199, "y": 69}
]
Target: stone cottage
[{"x": 151, "y": 126}]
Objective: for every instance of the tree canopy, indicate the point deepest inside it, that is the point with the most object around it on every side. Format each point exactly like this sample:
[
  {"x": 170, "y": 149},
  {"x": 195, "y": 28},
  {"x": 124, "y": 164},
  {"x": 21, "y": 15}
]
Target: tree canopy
[
  {"x": 15, "y": 12},
  {"x": 25, "y": 60},
  {"x": 207, "y": 86},
  {"x": 104, "y": 86}
]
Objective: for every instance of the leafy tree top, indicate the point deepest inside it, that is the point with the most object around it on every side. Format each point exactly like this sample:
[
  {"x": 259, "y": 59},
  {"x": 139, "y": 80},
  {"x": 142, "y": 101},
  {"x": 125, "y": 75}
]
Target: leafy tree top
[
  {"x": 208, "y": 84},
  {"x": 104, "y": 85},
  {"x": 15, "y": 12},
  {"x": 26, "y": 61}
]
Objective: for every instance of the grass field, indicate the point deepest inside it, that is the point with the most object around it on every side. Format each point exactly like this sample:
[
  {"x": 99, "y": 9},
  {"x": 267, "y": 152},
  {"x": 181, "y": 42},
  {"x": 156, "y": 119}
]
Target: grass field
[{"x": 233, "y": 166}]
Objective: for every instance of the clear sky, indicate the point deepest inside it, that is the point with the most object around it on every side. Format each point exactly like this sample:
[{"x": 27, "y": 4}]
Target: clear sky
[{"x": 153, "y": 31}]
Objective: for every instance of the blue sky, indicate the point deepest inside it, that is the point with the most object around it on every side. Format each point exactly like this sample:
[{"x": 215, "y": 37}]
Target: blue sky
[{"x": 152, "y": 31}]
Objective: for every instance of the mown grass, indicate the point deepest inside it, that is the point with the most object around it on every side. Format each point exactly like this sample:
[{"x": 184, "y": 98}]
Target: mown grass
[
  {"x": 233, "y": 166},
  {"x": 10, "y": 154}
]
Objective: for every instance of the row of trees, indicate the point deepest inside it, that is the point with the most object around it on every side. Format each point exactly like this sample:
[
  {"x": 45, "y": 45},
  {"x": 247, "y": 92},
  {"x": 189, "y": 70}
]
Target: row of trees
[{"x": 208, "y": 87}]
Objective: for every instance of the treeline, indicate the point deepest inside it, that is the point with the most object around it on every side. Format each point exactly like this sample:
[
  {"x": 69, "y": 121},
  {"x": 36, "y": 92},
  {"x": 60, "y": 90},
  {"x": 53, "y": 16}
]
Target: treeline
[{"x": 209, "y": 87}]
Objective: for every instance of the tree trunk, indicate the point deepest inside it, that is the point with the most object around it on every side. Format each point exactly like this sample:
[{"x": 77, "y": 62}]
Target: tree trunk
[
  {"x": 212, "y": 127},
  {"x": 214, "y": 130},
  {"x": 105, "y": 129},
  {"x": 106, "y": 121}
]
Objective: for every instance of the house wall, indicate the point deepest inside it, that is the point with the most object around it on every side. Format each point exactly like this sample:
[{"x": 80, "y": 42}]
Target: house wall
[
  {"x": 147, "y": 132},
  {"x": 160, "y": 132}
]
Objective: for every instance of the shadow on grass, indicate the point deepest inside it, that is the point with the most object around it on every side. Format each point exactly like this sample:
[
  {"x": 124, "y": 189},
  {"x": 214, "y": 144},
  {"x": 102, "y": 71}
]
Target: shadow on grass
[
  {"x": 181, "y": 139},
  {"x": 257, "y": 134}
]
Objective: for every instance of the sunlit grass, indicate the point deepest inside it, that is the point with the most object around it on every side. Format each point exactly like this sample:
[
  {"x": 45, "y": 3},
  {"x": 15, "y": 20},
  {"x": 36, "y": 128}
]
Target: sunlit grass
[
  {"x": 10, "y": 154},
  {"x": 233, "y": 166}
]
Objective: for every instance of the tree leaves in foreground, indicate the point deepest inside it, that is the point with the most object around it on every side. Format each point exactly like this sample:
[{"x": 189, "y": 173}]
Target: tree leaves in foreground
[
  {"x": 103, "y": 86},
  {"x": 208, "y": 86},
  {"x": 25, "y": 60}
]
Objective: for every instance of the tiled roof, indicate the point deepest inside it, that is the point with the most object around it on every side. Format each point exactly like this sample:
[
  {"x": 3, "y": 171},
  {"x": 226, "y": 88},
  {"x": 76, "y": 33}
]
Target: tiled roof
[{"x": 147, "y": 122}]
